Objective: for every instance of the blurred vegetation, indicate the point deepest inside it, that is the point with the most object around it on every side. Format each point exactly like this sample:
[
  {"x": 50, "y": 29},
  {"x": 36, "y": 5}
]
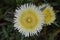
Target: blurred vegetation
[{"x": 7, "y": 31}]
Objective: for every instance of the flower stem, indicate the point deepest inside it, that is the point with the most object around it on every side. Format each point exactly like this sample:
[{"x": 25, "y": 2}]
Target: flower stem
[{"x": 56, "y": 24}]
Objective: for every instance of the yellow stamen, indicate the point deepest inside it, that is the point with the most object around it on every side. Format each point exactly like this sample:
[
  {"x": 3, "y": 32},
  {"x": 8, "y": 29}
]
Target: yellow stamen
[
  {"x": 49, "y": 15},
  {"x": 28, "y": 20}
]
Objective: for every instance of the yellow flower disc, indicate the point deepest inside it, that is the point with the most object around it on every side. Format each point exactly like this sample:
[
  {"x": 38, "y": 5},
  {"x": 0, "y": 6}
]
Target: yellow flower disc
[
  {"x": 49, "y": 15},
  {"x": 29, "y": 19}
]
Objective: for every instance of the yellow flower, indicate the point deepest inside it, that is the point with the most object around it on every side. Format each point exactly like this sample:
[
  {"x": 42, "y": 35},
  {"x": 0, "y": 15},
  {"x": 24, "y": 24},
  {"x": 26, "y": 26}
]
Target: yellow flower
[
  {"x": 49, "y": 15},
  {"x": 29, "y": 19}
]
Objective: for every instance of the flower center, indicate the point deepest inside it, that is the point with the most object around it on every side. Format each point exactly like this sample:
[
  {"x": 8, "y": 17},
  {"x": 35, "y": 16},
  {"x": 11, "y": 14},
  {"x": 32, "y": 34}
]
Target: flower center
[
  {"x": 28, "y": 19},
  {"x": 48, "y": 15}
]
